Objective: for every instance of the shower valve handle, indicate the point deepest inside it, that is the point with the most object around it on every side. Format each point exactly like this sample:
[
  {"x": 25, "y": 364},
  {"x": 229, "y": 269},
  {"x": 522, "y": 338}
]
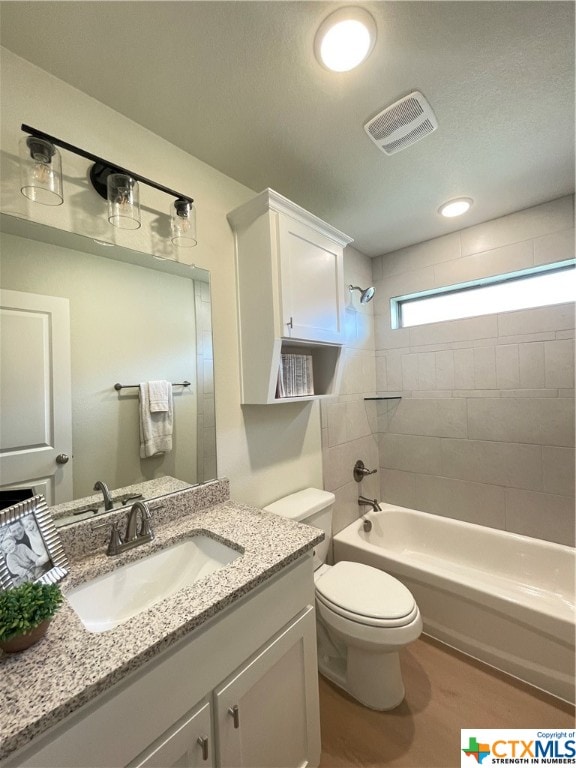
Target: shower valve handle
[{"x": 360, "y": 471}]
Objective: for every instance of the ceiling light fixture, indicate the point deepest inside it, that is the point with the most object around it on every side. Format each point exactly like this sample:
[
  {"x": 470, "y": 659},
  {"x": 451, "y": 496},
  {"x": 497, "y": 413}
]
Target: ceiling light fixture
[
  {"x": 41, "y": 174},
  {"x": 345, "y": 39},
  {"x": 455, "y": 207}
]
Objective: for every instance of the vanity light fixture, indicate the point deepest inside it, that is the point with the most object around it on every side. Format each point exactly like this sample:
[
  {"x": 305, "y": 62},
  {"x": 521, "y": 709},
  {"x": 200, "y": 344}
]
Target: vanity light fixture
[
  {"x": 455, "y": 207},
  {"x": 41, "y": 173},
  {"x": 183, "y": 223},
  {"x": 345, "y": 39}
]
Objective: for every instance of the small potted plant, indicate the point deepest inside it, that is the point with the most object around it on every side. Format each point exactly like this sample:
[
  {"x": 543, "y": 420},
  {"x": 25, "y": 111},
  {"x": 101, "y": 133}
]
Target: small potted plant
[{"x": 25, "y": 612}]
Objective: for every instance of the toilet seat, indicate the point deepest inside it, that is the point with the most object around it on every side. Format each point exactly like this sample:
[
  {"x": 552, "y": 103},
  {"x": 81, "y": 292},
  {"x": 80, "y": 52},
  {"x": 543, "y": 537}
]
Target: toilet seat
[{"x": 366, "y": 595}]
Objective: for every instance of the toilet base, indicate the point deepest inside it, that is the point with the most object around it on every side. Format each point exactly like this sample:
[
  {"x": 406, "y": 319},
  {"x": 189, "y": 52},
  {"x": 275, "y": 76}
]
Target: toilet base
[{"x": 373, "y": 679}]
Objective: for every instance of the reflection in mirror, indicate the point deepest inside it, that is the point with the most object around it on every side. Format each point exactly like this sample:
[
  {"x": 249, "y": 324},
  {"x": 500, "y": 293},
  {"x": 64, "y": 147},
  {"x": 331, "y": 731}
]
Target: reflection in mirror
[{"x": 77, "y": 318}]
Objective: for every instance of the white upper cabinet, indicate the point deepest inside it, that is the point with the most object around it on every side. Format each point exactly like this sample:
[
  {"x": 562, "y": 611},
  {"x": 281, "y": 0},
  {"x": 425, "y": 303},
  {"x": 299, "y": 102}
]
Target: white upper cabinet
[
  {"x": 311, "y": 283},
  {"x": 289, "y": 266}
]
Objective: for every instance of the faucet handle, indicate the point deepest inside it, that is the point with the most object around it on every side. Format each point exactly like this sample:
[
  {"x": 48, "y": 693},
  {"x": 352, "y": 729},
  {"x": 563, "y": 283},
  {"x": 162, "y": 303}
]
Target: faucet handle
[
  {"x": 360, "y": 471},
  {"x": 116, "y": 539}
]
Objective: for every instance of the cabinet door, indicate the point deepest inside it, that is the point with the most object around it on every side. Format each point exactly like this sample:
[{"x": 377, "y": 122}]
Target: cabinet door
[
  {"x": 267, "y": 713},
  {"x": 312, "y": 293},
  {"x": 187, "y": 745}
]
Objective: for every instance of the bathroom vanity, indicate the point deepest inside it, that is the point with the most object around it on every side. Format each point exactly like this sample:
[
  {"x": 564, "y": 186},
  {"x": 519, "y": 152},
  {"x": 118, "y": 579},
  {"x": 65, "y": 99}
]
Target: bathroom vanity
[{"x": 221, "y": 673}]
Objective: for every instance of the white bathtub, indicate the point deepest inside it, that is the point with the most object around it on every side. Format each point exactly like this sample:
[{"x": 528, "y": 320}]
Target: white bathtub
[{"x": 503, "y": 598}]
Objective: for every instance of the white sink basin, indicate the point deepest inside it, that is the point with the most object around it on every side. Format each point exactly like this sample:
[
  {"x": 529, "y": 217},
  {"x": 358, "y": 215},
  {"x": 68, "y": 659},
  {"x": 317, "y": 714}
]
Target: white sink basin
[{"x": 110, "y": 600}]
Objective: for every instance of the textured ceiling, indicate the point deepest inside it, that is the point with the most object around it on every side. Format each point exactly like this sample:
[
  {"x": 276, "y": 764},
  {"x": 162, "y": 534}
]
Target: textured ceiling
[{"x": 236, "y": 84}]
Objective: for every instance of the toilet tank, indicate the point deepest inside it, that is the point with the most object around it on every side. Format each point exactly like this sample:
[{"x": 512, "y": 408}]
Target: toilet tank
[{"x": 312, "y": 507}]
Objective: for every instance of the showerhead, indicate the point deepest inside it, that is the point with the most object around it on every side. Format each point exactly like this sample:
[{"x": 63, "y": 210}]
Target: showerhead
[{"x": 366, "y": 294}]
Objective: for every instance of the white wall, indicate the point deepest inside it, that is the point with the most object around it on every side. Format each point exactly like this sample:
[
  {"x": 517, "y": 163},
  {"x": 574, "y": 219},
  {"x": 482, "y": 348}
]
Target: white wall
[
  {"x": 484, "y": 431},
  {"x": 259, "y": 465}
]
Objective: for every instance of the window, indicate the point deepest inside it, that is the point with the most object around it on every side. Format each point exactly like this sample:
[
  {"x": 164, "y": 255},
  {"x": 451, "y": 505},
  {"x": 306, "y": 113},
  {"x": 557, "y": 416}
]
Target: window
[{"x": 552, "y": 284}]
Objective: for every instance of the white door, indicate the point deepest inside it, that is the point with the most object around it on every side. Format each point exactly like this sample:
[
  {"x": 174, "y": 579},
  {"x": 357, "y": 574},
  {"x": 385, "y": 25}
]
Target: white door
[
  {"x": 267, "y": 713},
  {"x": 312, "y": 283},
  {"x": 35, "y": 395},
  {"x": 187, "y": 745}
]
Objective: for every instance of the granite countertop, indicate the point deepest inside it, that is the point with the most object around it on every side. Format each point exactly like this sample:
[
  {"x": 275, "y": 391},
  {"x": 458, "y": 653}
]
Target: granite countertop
[{"x": 71, "y": 666}]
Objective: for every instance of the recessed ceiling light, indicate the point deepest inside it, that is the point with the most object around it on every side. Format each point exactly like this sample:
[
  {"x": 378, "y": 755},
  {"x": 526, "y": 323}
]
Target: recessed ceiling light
[
  {"x": 455, "y": 207},
  {"x": 345, "y": 39}
]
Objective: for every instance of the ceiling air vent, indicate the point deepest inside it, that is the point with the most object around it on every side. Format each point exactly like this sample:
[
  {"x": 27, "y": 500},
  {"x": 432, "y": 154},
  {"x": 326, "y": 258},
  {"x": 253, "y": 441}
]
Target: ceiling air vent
[{"x": 401, "y": 124}]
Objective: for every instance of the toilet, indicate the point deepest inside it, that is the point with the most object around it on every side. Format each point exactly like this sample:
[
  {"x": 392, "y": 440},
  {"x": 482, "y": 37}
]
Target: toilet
[{"x": 364, "y": 616}]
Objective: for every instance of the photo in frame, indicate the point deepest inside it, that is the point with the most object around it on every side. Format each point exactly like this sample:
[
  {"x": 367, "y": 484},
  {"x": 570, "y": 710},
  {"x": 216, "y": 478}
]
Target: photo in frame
[{"x": 30, "y": 546}]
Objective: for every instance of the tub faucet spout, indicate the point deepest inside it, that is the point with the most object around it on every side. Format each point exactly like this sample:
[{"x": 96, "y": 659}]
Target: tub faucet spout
[{"x": 364, "y": 502}]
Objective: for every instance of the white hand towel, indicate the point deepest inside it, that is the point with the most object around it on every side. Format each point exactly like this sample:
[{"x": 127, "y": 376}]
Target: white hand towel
[
  {"x": 155, "y": 426},
  {"x": 160, "y": 396}
]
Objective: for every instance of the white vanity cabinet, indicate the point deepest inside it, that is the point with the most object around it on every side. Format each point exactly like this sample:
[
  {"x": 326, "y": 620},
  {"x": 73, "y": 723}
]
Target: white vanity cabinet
[
  {"x": 291, "y": 295},
  {"x": 262, "y": 710},
  {"x": 189, "y": 744},
  {"x": 258, "y": 655}
]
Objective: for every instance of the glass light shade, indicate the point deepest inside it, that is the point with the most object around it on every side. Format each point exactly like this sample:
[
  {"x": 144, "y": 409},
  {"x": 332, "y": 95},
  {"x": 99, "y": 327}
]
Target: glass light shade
[
  {"x": 123, "y": 201},
  {"x": 40, "y": 171},
  {"x": 345, "y": 39},
  {"x": 183, "y": 224}
]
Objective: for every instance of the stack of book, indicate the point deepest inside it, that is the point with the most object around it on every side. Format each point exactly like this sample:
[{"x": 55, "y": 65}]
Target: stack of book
[{"x": 295, "y": 377}]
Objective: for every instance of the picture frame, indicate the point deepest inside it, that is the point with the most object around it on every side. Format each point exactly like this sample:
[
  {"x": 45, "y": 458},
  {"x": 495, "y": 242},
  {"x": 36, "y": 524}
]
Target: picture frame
[{"x": 30, "y": 546}]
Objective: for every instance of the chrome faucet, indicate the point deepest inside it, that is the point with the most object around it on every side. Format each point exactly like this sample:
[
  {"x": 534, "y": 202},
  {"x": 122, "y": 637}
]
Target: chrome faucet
[
  {"x": 108, "y": 503},
  {"x": 364, "y": 502},
  {"x": 135, "y": 535}
]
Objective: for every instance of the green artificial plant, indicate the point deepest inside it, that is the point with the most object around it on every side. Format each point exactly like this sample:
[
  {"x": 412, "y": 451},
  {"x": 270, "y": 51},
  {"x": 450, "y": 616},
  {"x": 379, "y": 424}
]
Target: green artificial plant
[{"x": 24, "y": 607}]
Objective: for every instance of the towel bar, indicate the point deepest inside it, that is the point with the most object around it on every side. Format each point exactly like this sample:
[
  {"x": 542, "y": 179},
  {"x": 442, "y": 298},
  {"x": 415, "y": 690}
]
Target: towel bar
[{"x": 118, "y": 387}]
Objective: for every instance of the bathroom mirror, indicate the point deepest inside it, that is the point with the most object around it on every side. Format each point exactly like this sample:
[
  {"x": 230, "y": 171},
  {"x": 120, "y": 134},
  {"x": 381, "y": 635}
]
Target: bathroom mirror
[{"x": 133, "y": 318}]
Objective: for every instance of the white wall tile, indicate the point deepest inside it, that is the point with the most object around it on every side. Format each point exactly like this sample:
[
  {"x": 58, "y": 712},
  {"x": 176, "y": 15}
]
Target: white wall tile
[
  {"x": 542, "y": 515},
  {"x": 533, "y": 222},
  {"x": 411, "y": 453},
  {"x": 410, "y": 371},
  {"x": 507, "y": 366},
  {"x": 531, "y": 364},
  {"x": 525, "y": 338},
  {"x": 559, "y": 246},
  {"x": 462, "y": 500},
  {"x": 336, "y": 423},
  {"x": 381, "y": 377},
  {"x": 498, "y": 261},
  {"x": 387, "y": 338},
  {"x": 422, "y": 255},
  {"x": 558, "y": 465},
  {"x": 484, "y": 327},
  {"x": 559, "y": 362},
  {"x": 445, "y": 369},
  {"x": 529, "y": 393},
  {"x": 346, "y": 508},
  {"x": 394, "y": 371},
  {"x": 426, "y": 370},
  {"x": 397, "y": 488},
  {"x": 464, "y": 369},
  {"x": 438, "y": 418},
  {"x": 507, "y": 464},
  {"x": 485, "y": 368},
  {"x": 537, "y": 320},
  {"x": 547, "y": 421}
]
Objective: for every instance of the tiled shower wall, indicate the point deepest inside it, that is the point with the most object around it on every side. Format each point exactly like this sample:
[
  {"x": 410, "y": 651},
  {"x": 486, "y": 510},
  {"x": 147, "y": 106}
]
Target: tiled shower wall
[
  {"x": 349, "y": 423},
  {"x": 484, "y": 429}
]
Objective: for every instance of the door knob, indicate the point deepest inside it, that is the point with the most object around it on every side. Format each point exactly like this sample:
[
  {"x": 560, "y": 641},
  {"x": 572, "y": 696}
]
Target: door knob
[{"x": 62, "y": 458}]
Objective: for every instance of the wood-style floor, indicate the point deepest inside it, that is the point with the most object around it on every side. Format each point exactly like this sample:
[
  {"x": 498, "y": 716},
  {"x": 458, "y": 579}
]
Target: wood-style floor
[{"x": 445, "y": 691}]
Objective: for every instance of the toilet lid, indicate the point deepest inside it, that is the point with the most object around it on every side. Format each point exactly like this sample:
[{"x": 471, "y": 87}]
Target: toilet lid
[{"x": 364, "y": 591}]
